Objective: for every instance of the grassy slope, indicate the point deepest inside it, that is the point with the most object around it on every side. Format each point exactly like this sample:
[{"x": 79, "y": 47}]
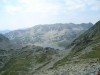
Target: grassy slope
[
  {"x": 89, "y": 38},
  {"x": 19, "y": 63},
  {"x": 23, "y": 62},
  {"x": 93, "y": 54}
]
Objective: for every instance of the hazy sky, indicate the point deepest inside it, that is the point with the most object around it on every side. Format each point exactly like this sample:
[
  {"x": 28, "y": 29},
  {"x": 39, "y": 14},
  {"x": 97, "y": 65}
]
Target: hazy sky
[{"x": 16, "y": 14}]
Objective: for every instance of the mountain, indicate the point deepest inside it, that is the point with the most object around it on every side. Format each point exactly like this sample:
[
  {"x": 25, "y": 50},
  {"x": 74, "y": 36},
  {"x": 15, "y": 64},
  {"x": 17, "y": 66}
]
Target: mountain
[
  {"x": 84, "y": 57},
  {"x": 23, "y": 59},
  {"x": 4, "y": 44},
  {"x": 4, "y": 31},
  {"x": 48, "y": 35},
  {"x": 3, "y": 41},
  {"x": 91, "y": 39},
  {"x": 28, "y": 60}
]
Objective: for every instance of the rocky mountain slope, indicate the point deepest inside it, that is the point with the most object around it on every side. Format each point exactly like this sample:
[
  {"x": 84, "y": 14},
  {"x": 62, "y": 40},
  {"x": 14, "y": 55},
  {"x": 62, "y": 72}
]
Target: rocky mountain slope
[
  {"x": 23, "y": 59},
  {"x": 28, "y": 60},
  {"x": 82, "y": 58},
  {"x": 91, "y": 39},
  {"x": 4, "y": 51},
  {"x": 48, "y": 35}
]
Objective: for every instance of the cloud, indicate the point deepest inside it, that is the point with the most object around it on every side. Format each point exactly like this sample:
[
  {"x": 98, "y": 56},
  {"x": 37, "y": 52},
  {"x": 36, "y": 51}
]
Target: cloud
[
  {"x": 95, "y": 5},
  {"x": 12, "y": 9},
  {"x": 82, "y": 5},
  {"x": 74, "y": 5},
  {"x": 33, "y": 6},
  {"x": 26, "y": 13},
  {"x": 47, "y": 7}
]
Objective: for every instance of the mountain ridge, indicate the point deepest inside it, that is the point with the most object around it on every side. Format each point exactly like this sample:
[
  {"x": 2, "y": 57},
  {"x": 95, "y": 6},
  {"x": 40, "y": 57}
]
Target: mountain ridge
[
  {"x": 4, "y": 31},
  {"x": 82, "y": 58},
  {"x": 54, "y": 34}
]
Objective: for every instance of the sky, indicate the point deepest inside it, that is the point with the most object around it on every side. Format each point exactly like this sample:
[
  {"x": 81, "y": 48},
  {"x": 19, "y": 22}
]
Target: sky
[{"x": 17, "y": 14}]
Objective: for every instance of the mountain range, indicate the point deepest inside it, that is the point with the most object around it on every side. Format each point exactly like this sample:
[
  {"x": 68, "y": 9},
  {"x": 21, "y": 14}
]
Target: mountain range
[
  {"x": 82, "y": 57},
  {"x": 4, "y": 31},
  {"x": 50, "y": 35}
]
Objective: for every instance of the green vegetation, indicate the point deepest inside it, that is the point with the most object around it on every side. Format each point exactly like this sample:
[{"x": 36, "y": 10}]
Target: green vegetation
[
  {"x": 67, "y": 60},
  {"x": 77, "y": 51},
  {"x": 16, "y": 64},
  {"x": 40, "y": 58},
  {"x": 93, "y": 54},
  {"x": 61, "y": 62},
  {"x": 97, "y": 40},
  {"x": 89, "y": 38},
  {"x": 23, "y": 61},
  {"x": 63, "y": 43}
]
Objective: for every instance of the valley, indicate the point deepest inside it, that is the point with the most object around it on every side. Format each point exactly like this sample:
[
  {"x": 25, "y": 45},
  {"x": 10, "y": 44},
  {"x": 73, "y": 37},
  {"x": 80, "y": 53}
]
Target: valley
[{"x": 32, "y": 51}]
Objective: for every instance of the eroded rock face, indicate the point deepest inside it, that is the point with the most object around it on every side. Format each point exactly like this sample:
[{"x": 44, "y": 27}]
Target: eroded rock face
[{"x": 83, "y": 68}]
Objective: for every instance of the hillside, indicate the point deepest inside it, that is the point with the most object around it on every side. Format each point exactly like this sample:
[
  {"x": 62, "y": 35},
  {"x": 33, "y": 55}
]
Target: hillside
[
  {"x": 23, "y": 59},
  {"x": 86, "y": 53},
  {"x": 3, "y": 40},
  {"x": 86, "y": 44},
  {"x": 4, "y": 51},
  {"x": 82, "y": 58},
  {"x": 90, "y": 38},
  {"x": 48, "y": 35},
  {"x": 28, "y": 60}
]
